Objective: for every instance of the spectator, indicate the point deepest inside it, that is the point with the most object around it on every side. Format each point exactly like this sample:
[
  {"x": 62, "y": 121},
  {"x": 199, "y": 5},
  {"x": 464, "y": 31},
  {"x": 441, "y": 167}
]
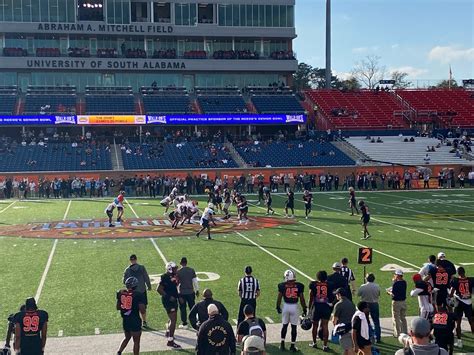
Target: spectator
[
  {"x": 251, "y": 325},
  {"x": 144, "y": 284},
  {"x": 360, "y": 330},
  {"x": 198, "y": 313},
  {"x": 253, "y": 345},
  {"x": 188, "y": 289},
  {"x": 370, "y": 293},
  {"x": 420, "y": 330},
  {"x": 215, "y": 335},
  {"x": 398, "y": 292},
  {"x": 342, "y": 317}
]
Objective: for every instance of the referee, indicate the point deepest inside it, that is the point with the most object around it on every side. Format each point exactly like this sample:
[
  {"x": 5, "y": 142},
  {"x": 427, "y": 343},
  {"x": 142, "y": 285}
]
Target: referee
[
  {"x": 249, "y": 290},
  {"x": 348, "y": 274}
]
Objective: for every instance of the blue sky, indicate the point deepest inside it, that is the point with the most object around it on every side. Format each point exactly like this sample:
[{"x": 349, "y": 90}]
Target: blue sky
[{"x": 420, "y": 37}]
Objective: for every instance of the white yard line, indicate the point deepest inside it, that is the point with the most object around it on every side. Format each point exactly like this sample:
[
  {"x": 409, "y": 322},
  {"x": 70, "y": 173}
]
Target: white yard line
[
  {"x": 269, "y": 320},
  {"x": 418, "y": 211},
  {"x": 67, "y": 210},
  {"x": 274, "y": 256},
  {"x": 11, "y": 204},
  {"x": 97, "y": 331},
  {"x": 360, "y": 245},
  {"x": 60, "y": 333},
  {"x": 45, "y": 272},
  {"x": 159, "y": 251},
  {"x": 131, "y": 208}
]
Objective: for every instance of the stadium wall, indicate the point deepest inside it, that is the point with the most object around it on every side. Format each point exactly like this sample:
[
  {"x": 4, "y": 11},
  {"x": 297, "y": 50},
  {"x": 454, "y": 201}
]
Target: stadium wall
[{"x": 231, "y": 173}]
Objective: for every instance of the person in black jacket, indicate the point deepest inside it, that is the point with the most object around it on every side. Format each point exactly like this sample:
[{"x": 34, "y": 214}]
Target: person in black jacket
[
  {"x": 215, "y": 336},
  {"x": 198, "y": 314}
]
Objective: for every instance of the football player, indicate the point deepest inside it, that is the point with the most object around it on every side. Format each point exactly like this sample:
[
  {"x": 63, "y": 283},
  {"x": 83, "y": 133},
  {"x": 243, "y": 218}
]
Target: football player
[
  {"x": 291, "y": 292},
  {"x": 352, "y": 201},
  {"x": 461, "y": 289},
  {"x": 191, "y": 211},
  {"x": 207, "y": 217},
  {"x": 290, "y": 204},
  {"x": 167, "y": 202},
  {"x": 308, "y": 203},
  {"x": 109, "y": 211},
  {"x": 243, "y": 209},
  {"x": 268, "y": 202},
  {"x": 321, "y": 310},
  {"x": 227, "y": 203},
  {"x": 119, "y": 203},
  {"x": 31, "y": 325},
  {"x": 261, "y": 188},
  {"x": 168, "y": 289},
  {"x": 441, "y": 282},
  {"x": 423, "y": 290},
  {"x": 365, "y": 218},
  {"x": 443, "y": 326},
  {"x": 130, "y": 303}
]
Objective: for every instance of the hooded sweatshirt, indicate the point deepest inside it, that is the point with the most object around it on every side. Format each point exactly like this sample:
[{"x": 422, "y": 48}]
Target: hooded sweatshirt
[
  {"x": 429, "y": 349},
  {"x": 138, "y": 271}
]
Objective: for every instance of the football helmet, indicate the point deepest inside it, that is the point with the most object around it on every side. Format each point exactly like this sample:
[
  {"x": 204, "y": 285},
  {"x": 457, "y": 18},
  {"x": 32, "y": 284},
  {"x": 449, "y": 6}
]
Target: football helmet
[
  {"x": 170, "y": 267},
  {"x": 131, "y": 283},
  {"x": 306, "y": 323},
  {"x": 289, "y": 275},
  {"x": 451, "y": 302},
  {"x": 306, "y": 192},
  {"x": 361, "y": 203}
]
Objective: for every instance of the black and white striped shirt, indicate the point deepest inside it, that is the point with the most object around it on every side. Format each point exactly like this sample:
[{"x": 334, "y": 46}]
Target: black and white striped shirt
[
  {"x": 248, "y": 287},
  {"x": 347, "y": 273}
]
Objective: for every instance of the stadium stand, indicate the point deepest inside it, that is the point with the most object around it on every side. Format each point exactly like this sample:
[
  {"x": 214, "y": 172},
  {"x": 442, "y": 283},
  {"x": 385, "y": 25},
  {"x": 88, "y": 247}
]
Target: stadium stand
[
  {"x": 397, "y": 150},
  {"x": 54, "y": 157},
  {"x": 7, "y": 99},
  {"x": 15, "y": 52},
  {"x": 363, "y": 109},
  {"x": 163, "y": 100},
  {"x": 220, "y": 100},
  {"x": 50, "y": 100},
  {"x": 451, "y": 107},
  {"x": 181, "y": 155},
  {"x": 292, "y": 153},
  {"x": 110, "y": 100},
  {"x": 274, "y": 99}
]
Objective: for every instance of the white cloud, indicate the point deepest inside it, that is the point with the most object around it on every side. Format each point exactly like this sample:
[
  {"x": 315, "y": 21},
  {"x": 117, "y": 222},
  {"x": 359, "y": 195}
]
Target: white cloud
[
  {"x": 342, "y": 75},
  {"x": 411, "y": 71},
  {"x": 395, "y": 46},
  {"x": 449, "y": 54}
]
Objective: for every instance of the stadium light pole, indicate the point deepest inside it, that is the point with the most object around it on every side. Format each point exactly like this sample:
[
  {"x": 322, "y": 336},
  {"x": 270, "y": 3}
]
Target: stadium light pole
[{"x": 328, "y": 44}]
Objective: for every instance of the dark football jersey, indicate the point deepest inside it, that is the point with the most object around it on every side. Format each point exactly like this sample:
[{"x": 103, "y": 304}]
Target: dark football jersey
[
  {"x": 364, "y": 210},
  {"x": 291, "y": 291},
  {"x": 440, "y": 278},
  {"x": 128, "y": 302},
  {"x": 443, "y": 321},
  {"x": 352, "y": 195},
  {"x": 425, "y": 286},
  {"x": 319, "y": 291},
  {"x": 227, "y": 198},
  {"x": 170, "y": 284},
  {"x": 31, "y": 324},
  {"x": 291, "y": 197},
  {"x": 308, "y": 198},
  {"x": 463, "y": 287}
]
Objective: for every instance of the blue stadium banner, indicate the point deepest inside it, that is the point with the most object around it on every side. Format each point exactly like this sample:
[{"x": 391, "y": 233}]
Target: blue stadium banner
[
  {"x": 37, "y": 120},
  {"x": 226, "y": 119}
]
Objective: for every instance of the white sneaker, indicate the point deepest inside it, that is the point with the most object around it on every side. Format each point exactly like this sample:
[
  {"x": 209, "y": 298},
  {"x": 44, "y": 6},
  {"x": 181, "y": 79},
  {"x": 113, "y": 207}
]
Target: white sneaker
[
  {"x": 182, "y": 326},
  {"x": 458, "y": 344},
  {"x": 306, "y": 217}
]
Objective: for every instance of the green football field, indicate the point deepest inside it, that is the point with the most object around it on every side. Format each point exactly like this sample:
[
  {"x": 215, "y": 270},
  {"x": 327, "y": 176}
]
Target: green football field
[{"x": 76, "y": 279}]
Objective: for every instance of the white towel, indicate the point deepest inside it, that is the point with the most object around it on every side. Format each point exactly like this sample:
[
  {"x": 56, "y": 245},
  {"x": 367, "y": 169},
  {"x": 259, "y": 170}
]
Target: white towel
[{"x": 364, "y": 327}]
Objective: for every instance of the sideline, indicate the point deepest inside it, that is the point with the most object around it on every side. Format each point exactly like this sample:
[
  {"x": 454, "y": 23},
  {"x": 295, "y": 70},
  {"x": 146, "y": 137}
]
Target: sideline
[{"x": 11, "y": 204}]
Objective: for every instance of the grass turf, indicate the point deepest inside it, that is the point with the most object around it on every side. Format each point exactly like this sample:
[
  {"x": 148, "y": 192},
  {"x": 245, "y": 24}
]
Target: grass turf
[{"x": 84, "y": 274}]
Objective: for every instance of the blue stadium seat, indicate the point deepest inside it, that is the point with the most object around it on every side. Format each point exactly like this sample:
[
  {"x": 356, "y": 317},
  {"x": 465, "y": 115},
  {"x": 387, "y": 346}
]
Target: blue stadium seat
[
  {"x": 287, "y": 104},
  {"x": 156, "y": 104},
  {"x": 175, "y": 156},
  {"x": 57, "y": 103},
  {"x": 278, "y": 154},
  {"x": 55, "y": 157},
  {"x": 110, "y": 104},
  {"x": 222, "y": 104},
  {"x": 7, "y": 104}
]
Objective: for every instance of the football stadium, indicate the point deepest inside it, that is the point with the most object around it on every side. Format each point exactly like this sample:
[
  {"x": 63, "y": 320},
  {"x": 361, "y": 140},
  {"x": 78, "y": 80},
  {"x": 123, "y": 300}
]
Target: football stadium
[{"x": 175, "y": 179}]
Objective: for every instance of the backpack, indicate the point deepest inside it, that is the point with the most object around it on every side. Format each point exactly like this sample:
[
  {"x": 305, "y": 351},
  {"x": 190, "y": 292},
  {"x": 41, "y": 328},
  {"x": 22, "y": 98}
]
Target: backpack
[
  {"x": 409, "y": 351},
  {"x": 254, "y": 327}
]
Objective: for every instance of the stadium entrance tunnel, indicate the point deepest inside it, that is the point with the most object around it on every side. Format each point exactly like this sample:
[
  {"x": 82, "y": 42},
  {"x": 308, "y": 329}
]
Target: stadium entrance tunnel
[{"x": 131, "y": 228}]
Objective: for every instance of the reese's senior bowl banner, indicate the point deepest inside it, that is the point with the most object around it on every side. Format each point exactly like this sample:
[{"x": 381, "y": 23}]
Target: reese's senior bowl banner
[
  {"x": 111, "y": 120},
  {"x": 37, "y": 120},
  {"x": 228, "y": 119}
]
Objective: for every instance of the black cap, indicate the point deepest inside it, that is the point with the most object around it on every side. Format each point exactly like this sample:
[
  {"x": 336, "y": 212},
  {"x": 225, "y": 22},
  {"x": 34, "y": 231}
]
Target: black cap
[
  {"x": 30, "y": 303},
  {"x": 341, "y": 291},
  {"x": 248, "y": 269},
  {"x": 184, "y": 260},
  {"x": 248, "y": 309},
  {"x": 133, "y": 257}
]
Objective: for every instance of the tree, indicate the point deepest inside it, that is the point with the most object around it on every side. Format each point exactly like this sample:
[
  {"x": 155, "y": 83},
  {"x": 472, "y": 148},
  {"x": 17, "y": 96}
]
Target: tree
[
  {"x": 444, "y": 84},
  {"x": 400, "y": 79},
  {"x": 349, "y": 84},
  {"x": 301, "y": 79},
  {"x": 368, "y": 71},
  {"x": 318, "y": 79}
]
